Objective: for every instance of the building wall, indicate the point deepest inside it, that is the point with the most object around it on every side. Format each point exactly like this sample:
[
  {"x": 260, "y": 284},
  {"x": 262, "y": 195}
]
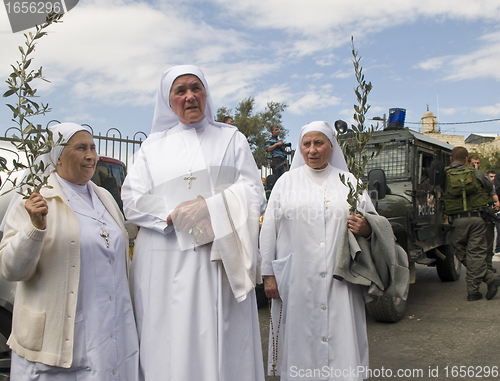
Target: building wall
[
  {"x": 455, "y": 140},
  {"x": 429, "y": 124}
]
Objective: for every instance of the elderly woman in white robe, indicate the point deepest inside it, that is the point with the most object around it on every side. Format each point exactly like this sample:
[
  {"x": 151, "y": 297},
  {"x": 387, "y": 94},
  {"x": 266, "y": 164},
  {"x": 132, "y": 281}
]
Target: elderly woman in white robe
[
  {"x": 196, "y": 193},
  {"x": 67, "y": 249},
  {"x": 318, "y": 327}
]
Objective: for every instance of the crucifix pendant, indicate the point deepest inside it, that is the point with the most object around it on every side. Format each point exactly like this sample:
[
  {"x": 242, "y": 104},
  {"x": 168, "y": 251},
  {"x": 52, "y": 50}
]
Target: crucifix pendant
[
  {"x": 105, "y": 235},
  {"x": 189, "y": 177}
]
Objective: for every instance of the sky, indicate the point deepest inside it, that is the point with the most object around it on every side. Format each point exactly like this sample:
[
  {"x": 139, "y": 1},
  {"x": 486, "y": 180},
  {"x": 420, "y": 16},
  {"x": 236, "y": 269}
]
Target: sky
[{"x": 105, "y": 60}]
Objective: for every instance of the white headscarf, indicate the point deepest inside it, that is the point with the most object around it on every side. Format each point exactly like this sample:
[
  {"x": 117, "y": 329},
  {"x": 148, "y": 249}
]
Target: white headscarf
[
  {"x": 336, "y": 159},
  {"x": 67, "y": 130},
  {"x": 164, "y": 117}
]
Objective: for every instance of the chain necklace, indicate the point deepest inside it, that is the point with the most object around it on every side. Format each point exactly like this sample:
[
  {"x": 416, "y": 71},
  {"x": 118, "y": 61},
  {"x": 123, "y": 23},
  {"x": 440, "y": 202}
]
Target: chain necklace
[
  {"x": 104, "y": 233},
  {"x": 189, "y": 177},
  {"x": 275, "y": 337}
]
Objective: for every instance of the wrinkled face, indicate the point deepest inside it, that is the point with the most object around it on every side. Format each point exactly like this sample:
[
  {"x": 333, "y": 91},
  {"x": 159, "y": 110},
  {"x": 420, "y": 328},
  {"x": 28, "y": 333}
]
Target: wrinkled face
[
  {"x": 188, "y": 99},
  {"x": 78, "y": 159},
  {"x": 316, "y": 149}
]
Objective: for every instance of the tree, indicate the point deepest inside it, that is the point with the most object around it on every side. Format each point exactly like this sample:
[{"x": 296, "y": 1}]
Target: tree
[
  {"x": 256, "y": 127},
  {"x": 489, "y": 160},
  {"x": 30, "y": 141},
  {"x": 222, "y": 112}
]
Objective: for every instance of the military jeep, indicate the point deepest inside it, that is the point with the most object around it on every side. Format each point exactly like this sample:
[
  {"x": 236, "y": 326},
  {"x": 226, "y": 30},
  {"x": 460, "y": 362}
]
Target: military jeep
[{"x": 405, "y": 186}]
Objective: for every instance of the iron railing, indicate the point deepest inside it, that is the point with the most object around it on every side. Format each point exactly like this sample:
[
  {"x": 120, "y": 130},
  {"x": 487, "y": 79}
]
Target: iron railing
[{"x": 112, "y": 144}]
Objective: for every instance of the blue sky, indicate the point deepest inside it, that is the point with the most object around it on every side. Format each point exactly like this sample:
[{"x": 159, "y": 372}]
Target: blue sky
[{"x": 105, "y": 60}]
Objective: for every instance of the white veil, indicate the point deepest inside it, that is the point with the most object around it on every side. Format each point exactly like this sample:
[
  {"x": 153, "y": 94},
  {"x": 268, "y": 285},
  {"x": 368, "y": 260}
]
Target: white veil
[{"x": 336, "y": 159}]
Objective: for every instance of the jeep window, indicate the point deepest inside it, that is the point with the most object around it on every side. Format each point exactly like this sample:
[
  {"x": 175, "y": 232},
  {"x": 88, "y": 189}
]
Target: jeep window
[
  {"x": 110, "y": 176},
  {"x": 425, "y": 165},
  {"x": 393, "y": 159}
]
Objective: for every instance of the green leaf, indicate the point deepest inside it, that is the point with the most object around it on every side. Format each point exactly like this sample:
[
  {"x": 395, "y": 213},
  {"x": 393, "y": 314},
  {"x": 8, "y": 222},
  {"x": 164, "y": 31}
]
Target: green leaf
[
  {"x": 27, "y": 64},
  {"x": 9, "y": 92},
  {"x": 28, "y": 129}
]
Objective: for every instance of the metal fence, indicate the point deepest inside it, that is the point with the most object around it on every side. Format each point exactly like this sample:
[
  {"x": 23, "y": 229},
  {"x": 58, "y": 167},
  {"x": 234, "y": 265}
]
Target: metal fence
[{"x": 112, "y": 144}]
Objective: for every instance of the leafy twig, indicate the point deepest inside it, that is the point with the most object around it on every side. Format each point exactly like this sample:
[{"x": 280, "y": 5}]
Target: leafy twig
[
  {"x": 31, "y": 142},
  {"x": 353, "y": 146}
]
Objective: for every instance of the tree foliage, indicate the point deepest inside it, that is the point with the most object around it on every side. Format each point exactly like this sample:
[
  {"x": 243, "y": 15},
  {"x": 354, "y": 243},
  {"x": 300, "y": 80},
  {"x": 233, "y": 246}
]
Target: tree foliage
[
  {"x": 30, "y": 140},
  {"x": 256, "y": 126},
  {"x": 489, "y": 161},
  {"x": 353, "y": 145}
]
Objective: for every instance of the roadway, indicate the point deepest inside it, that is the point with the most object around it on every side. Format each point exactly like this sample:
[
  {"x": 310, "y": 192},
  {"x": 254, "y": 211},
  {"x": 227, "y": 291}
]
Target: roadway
[{"x": 442, "y": 336}]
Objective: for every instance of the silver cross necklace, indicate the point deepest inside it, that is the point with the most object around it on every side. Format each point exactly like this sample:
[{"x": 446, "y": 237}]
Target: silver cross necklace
[
  {"x": 189, "y": 177},
  {"x": 104, "y": 234}
]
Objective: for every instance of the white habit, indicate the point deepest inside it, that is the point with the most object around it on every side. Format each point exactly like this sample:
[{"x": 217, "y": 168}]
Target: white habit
[
  {"x": 322, "y": 332},
  {"x": 318, "y": 327},
  {"x": 196, "y": 309}
]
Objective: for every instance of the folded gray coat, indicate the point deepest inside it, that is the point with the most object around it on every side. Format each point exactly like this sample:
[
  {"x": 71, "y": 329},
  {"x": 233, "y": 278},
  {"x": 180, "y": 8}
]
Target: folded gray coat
[{"x": 376, "y": 262}]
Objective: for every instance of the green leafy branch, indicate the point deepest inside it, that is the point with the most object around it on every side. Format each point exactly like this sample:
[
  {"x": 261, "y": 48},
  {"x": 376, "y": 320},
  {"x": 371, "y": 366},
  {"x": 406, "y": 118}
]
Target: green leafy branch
[
  {"x": 31, "y": 141},
  {"x": 353, "y": 145}
]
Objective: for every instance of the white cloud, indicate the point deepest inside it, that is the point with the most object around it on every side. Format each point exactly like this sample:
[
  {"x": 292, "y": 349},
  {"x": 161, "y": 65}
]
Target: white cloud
[
  {"x": 342, "y": 74},
  {"x": 314, "y": 76},
  {"x": 312, "y": 100},
  {"x": 432, "y": 63},
  {"x": 114, "y": 52},
  {"x": 328, "y": 60},
  {"x": 481, "y": 63},
  {"x": 319, "y": 25},
  {"x": 449, "y": 111},
  {"x": 491, "y": 111},
  {"x": 281, "y": 94},
  {"x": 298, "y": 103}
]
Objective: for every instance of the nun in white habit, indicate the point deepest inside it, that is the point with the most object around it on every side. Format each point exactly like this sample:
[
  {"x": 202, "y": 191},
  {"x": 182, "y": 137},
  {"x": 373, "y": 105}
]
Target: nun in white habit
[
  {"x": 67, "y": 249},
  {"x": 196, "y": 193},
  {"x": 318, "y": 329}
]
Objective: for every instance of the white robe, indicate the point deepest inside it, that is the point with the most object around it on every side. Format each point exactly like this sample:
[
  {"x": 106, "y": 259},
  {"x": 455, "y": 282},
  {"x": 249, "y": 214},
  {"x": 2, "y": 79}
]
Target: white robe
[
  {"x": 191, "y": 326},
  {"x": 322, "y": 333},
  {"x": 105, "y": 345}
]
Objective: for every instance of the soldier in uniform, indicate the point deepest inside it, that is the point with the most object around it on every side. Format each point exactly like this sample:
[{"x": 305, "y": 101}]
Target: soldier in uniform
[{"x": 465, "y": 209}]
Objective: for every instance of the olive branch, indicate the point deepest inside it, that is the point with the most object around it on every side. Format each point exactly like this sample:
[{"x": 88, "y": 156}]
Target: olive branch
[
  {"x": 31, "y": 141},
  {"x": 354, "y": 143}
]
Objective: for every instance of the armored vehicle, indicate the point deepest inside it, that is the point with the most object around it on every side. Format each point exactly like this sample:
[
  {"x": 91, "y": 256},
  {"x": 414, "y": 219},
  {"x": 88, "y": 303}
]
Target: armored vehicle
[{"x": 405, "y": 182}]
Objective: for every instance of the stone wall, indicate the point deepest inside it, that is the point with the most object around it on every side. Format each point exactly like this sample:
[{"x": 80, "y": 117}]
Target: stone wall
[
  {"x": 455, "y": 140},
  {"x": 485, "y": 148}
]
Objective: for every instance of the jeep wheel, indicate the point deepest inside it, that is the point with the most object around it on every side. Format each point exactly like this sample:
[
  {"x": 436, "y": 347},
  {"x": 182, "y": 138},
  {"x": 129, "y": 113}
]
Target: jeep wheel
[
  {"x": 386, "y": 309},
  {"x": 448, "y": 269}
]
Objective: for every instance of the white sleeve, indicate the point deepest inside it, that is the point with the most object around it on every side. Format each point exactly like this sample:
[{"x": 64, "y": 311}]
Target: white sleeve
[
  {"x": 140, "y": 204},
  {"x": 234, "y": 213},
  {"x": 269, "y": 231},
  {"x": 21, "y": 245}
]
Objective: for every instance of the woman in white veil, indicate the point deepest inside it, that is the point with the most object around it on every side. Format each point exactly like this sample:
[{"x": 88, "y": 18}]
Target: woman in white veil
[{"x": 318, "y": 328}]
